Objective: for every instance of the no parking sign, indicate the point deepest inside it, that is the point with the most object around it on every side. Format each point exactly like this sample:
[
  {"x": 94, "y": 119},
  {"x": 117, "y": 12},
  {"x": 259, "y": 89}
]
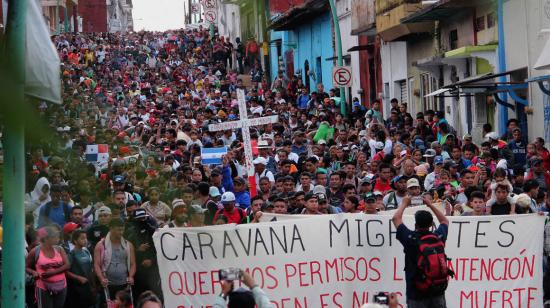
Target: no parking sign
[{"x": 341, "y": 76}]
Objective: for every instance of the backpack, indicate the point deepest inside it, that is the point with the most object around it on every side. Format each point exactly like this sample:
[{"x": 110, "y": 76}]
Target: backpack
[
  {"x": 392, "y": 202},
  {"x": 432, "y": 275},
  {"x": 66, "y": 211},
  {"x": 241, "y": 213}
]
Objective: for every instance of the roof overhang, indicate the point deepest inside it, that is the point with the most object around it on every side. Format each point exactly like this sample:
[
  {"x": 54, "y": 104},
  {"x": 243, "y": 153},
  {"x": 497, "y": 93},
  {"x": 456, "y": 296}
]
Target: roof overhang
[
  {"x": 369, "y": 30},
  {"x": 486, "y": 84},
  {"x": 345, "y": 57},
  {"x": 469, "y": 51},
  {"x": 369, "y": 47},
  {"x": 442, "y": 10},
  {"x": 298, "y": 15}
]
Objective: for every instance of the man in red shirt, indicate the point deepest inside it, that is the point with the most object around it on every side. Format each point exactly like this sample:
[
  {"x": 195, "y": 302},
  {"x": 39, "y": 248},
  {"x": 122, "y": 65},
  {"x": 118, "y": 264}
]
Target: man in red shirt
[
  {"x": 230, "y": 213},
  {"x": 382, "y": 183}
]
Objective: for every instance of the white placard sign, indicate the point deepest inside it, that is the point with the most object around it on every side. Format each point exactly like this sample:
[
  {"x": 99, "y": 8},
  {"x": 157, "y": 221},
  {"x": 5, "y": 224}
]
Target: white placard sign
[{"x": 342, "y": 260}]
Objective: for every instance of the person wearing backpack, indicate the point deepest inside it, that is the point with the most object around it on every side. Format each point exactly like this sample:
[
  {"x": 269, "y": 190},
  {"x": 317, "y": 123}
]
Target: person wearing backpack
[
  {"x": 230, "y": 212},
  {"x": 55, "y": 211},
  {"x": 426, "y": 271},
  {"x": 81, "y": 284},
  {"x": 47, "y": 263}
]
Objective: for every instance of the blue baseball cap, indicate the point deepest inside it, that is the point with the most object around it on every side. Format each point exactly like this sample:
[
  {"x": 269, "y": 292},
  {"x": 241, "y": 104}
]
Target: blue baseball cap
[{"x": 438, "y": 160}]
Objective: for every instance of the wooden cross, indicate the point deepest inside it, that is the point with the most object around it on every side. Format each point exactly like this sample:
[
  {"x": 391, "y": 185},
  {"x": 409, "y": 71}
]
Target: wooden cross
[{"x": 244, "y": 123}]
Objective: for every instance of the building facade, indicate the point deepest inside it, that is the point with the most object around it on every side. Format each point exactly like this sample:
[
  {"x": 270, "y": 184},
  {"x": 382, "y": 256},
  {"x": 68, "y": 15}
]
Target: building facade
[
  {"x": 302, "y": 43},
  {"x": 363, "y": 25},
  {"x": 119, "y": 16},
  {"x": 94, "y": 15},
  {"x": 527, "y": 41},
  {"x": 61, "y": 15}
]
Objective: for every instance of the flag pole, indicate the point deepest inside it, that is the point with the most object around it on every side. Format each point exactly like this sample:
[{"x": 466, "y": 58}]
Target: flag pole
[{"x": 13, "y": 257}]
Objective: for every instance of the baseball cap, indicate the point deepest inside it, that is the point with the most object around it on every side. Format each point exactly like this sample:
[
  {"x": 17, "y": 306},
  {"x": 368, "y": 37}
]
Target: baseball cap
[
  {"x": 321, "y": 141},
  {"x": 413, "y": 182},
  {"x": 467, "y": 137},
  {"x": 177, "y": 203},
  {"x": 118, "y": 179},
  {"x": 438, "y": 160},
  {"x": 260, "y": 161},
  {"x": 139, "y": 213},
  {"x": 310, "y": 196},
  {"x": 196, "y": 209},
  {"x": 267, "y": 205},
  {"x": 435, "y": 144},
  {"x": 366, "y": 180},
  {"x": 319, "y": 189},
  {"x": 398, "y": 178},
  {"x": 104, "y": 210},
  {"x": 430, "y": 153},
  {"x": 492, "y": 136},
  {"x": 70, "y": 227},
  {"x": 214, "y": 192},
  {"x": 370, "y": 197},
  {"x": 228, "y": 197}
]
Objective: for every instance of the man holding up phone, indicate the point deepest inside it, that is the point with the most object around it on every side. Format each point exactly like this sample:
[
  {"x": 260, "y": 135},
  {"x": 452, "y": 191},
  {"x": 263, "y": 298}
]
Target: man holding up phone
[
  {"x": 425, "y": 287},
  {"x": 240, "y": 298}
]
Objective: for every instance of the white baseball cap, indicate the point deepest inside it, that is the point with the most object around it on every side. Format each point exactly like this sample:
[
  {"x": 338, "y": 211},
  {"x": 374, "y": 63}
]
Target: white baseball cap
[
  {"x": 260, "y": 161},
  {"x": 492, "y": 135},
  {"x": 228, "y": 197}
]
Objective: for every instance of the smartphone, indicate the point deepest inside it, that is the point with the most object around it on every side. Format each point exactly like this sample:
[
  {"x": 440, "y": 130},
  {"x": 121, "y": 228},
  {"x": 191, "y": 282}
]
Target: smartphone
[
  {"x": 229, "y": 274},
  {"x": 418, "y": 200},
  {"x": 381, "y": 298}
]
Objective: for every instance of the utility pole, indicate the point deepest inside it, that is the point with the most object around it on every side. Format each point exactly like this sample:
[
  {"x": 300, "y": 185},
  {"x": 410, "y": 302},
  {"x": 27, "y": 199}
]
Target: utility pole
[
  {"x": 502, "y": 110},
  {"x": 13, "y": 257},
  {"x": 338, "y": 37},
  {"x": 66, "y": 18}
]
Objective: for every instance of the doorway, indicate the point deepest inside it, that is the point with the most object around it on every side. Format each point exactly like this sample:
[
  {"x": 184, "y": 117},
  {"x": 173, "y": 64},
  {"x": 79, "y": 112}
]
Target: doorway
[{"x": 306, "y": 75}]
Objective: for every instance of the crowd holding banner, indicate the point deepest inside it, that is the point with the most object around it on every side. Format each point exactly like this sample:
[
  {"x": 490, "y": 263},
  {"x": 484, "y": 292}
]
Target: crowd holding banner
[
  {"x": 137, "y": 151},
  {"x": 342, "y": 260}
]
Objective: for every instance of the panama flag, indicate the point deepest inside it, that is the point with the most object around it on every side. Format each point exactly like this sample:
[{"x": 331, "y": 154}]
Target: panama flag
[
  {"x": 212, "y": 156},
  {"x": 97, "y": 153}
]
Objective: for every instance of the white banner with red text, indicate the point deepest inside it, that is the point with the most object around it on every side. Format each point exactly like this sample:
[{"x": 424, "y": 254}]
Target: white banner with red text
[{"x": 343, "y": 260}]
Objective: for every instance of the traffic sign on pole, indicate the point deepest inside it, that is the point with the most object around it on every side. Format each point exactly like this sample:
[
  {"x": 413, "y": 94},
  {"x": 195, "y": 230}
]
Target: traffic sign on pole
[
  {"x": 210, "y": 16},
  {"x": 341, "y": 76}
]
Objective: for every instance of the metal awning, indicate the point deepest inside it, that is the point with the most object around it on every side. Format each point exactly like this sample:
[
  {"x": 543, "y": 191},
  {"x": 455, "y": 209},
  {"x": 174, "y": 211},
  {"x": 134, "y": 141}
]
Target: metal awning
[
  {"x": 476, "y": 79},
  {"x": 361, "y": 47},
  {"x": 345, "y": 57},
  {"x": 485, "y": 84},
  {"x": 543, "y": 62},
  {"x": 540, "y": 80},
  {"x": 438, "y": 92}
]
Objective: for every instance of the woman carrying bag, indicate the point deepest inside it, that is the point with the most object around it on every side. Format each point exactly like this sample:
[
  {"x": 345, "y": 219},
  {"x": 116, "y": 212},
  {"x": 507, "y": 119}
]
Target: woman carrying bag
[{"x": 47, "y": 263}]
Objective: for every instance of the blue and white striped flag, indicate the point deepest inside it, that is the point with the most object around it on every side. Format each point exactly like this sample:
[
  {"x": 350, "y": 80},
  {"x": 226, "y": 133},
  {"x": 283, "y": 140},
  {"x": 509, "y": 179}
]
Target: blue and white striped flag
[{"x": 212, "y": 156}]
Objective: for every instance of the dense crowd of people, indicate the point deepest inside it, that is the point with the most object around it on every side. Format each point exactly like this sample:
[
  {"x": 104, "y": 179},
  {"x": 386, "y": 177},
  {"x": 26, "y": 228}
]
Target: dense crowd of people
[{"x": 150, "y": 98}]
